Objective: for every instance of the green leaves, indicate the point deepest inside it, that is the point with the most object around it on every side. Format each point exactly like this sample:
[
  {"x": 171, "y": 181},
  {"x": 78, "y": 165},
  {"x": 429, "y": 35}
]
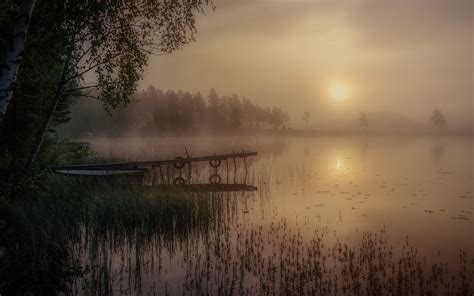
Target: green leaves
[
  {"x": 111, "y": 42},
  {"x": 103, "y": 45}
]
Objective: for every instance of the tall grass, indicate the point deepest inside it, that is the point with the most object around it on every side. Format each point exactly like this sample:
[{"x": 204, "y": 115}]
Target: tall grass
[
  {"x": 40, "y": 234},
  {"x": 115, "y": 236}
]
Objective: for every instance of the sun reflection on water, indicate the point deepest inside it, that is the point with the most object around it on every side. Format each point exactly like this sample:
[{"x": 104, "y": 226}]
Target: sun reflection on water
[{"x": 338, "y": 163}]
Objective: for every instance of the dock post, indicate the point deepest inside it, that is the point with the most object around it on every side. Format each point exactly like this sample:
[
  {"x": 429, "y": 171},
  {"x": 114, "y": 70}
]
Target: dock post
[
  {"x": 246, "y": 170},
  {"x": 162, "y": 181},
  {"x": 227, "y": 170},
  {"x": 188, "y": 177},
  {"x": 235, "y": 167},
  {"x": 154, "y": 176}
]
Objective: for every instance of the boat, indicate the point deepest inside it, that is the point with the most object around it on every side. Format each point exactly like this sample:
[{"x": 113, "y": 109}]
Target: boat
[{"x": 102, "y": 172}]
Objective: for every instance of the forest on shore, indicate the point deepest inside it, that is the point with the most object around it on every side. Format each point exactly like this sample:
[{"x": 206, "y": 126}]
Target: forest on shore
[{"x": 156, "y": 112}]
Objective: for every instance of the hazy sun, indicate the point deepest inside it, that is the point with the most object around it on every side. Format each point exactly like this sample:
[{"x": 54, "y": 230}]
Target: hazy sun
[{"x": 338, "y": 90}]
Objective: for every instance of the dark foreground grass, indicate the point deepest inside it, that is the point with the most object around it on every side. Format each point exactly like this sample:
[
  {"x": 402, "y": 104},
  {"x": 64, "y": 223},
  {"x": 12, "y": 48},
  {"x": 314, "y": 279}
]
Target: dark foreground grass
[
  {"x": 39, "y": 233},
  {"x": 103, "y": 237}
]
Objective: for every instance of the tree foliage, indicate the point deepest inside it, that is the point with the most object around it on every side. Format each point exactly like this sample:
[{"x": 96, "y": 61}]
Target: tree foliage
[
  {"x": 306, "y": 117},
  {"x": 156, "y": 112},
  {"x": 79, "y": 49},
  {"x": 437, "y": 119},
  {"x": 112, "y": 39}
]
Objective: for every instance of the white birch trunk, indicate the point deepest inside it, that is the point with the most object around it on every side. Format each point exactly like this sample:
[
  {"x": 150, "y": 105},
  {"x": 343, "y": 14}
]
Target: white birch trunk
[{"x": 14, "y": 54}]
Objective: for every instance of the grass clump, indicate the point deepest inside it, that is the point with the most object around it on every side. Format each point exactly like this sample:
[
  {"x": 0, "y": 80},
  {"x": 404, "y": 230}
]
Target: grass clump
[{"x": 44, "y": 235}]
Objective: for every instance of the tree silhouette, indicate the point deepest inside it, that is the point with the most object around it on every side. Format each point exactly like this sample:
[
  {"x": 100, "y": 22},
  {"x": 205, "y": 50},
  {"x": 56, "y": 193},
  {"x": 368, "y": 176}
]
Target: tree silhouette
[
  {"x": 438, "y": 119},
  {"x": 76, "y": 49},
  {"x": 278, "y": 117},
  {"x": 157, "y": 112},
  {"x": 306, "y": 116}
]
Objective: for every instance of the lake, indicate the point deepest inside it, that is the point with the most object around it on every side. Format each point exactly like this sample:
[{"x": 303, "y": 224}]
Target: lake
[{"x": 331, "y": 215}]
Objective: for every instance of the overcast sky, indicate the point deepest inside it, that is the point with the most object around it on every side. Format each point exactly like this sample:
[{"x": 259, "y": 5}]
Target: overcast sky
[{"x": 403, "y": 56}]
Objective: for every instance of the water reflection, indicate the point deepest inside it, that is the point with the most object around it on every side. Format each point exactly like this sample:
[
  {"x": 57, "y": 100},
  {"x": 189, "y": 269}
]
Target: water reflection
[
  {"x": 329, "y": 197},
  {"x": 308, "y": 230},
  {"x": 215, "y": 185},
  {"x": 364, "y": 149},
  {"x": 437, "y": 153},
  {"x": 338, "y": 163},
  {"x": 208, "y": 187}
]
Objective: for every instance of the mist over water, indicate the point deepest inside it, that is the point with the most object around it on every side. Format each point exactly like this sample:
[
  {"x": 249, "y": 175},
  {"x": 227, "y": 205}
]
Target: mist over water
[
  {"x": 407, "y": 191},
  {"x": 398, "y": 59},
  {"x": 236, "y": 147}
]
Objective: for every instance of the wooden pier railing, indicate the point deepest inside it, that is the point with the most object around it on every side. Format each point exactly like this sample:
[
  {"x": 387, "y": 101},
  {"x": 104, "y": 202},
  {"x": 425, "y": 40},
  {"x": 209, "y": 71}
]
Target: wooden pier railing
[{"x": 138, "y": 166}]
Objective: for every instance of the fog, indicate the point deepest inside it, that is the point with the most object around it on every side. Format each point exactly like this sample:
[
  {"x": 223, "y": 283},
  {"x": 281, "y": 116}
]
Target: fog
[
  {"x": 306, "y": 147},
  {"x": 402, "y": 58}
]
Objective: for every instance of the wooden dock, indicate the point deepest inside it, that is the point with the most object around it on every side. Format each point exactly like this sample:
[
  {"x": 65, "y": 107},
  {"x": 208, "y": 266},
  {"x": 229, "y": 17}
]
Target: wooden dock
[{"x": 141, "y": 167}]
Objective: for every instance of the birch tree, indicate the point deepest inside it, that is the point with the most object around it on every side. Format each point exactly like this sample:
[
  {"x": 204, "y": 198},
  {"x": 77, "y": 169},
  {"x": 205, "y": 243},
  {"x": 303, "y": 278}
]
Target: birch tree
[
  {"x": 96, "y": 49},
  {"x": 14, "y": 54}
]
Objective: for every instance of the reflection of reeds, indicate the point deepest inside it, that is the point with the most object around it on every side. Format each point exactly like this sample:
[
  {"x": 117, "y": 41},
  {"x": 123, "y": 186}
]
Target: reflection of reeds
[
  {"x": 128, "y": 232},
  {"x": 115, "y": 236},
  {"x": 49, "y": 239},
  {"x": 237, "y": 258}
]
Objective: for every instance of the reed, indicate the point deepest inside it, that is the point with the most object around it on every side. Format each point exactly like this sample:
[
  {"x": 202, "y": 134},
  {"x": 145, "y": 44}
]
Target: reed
[{"x": 94, "y": 236}]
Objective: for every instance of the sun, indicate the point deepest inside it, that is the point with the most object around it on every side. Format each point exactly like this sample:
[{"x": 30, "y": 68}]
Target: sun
[{"x": 339, "y": 90}]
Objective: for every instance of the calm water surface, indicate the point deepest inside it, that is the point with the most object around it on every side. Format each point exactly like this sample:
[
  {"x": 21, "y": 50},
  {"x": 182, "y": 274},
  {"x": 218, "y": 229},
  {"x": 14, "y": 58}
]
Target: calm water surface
[{"x": 406, "y": 191}]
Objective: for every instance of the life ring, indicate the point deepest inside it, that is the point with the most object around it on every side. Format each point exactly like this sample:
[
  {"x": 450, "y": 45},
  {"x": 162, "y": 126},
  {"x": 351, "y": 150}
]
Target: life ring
[
  {"x": 181, "y": 162},
  {"x": 215, "y": 163},
  {"x": 215, "y": 179}
]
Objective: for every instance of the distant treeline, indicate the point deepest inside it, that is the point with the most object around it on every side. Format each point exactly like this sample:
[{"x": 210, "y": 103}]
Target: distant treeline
[{"x": 153, "y": 111}]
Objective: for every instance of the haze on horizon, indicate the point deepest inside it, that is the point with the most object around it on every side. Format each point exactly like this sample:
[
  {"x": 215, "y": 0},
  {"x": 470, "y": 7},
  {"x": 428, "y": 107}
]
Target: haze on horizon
[{"x": 405, "y": 57}]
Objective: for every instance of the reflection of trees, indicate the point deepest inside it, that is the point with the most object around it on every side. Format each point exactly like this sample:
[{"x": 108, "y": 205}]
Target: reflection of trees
[
  {"x": 306, "y": 149},
  {"x": 363, "y": 122},
  {"x": 437, "y": 153},
  {"x": 364, "y": 148},
  {"x": 274, "y": 148},
  {"x": 438, "y": 119},
  {"x": 306, "y": 117}
]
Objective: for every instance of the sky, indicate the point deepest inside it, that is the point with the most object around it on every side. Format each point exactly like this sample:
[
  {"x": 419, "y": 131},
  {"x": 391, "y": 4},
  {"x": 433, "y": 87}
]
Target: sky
[{"x": 382, "y": 57}]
